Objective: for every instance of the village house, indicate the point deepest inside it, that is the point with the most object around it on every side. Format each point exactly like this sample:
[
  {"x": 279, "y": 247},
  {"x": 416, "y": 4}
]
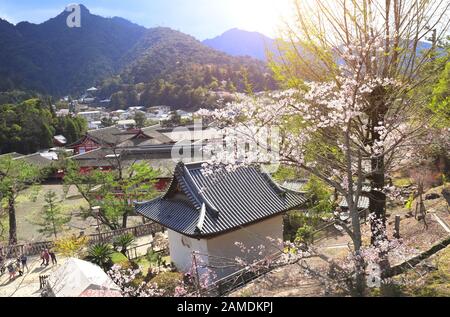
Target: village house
[
  {"x": 126, "y": 124},
  {"x": 90, "y": 115},
  {"x": 59, "y": 140},
  {"x": 207, "y": 214}
]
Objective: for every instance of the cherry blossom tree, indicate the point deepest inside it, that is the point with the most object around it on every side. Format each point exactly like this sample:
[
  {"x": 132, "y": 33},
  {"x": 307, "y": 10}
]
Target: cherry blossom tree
[{"x": 352, "y": 111}]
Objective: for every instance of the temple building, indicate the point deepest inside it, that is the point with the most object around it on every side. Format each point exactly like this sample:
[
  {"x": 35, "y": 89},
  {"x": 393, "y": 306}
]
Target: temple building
[{"x": 206, "y": 214}]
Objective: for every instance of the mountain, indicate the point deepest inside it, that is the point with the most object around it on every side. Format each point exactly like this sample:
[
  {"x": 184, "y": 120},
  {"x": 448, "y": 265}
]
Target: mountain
[
  {"x": 122, "y": 58},
  {"x": 237, "y": 42},
  {"x": 55, "y": 59}
]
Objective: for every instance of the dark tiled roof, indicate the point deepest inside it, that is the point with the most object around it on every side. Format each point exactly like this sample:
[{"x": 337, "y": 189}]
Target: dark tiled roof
[
  {"x": 153, "y": 133},
  {"x": 37, "y": 160},
  {"x": 11, "y": 155},
  {"x": 113, "y": 136},
  {"x": 159, "y": 159},
  {"x": 363, "y": 203},
  {"x": 230, "y": 199}
]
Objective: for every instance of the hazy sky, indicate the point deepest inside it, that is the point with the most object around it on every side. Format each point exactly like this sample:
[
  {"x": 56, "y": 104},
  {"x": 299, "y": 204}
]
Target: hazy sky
[{"x": 200, "y": 18}]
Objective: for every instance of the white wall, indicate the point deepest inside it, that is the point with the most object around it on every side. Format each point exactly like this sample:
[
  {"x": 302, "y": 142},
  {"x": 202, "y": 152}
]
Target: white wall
[
  {"x": 181, "y": 253},
  {"x": 223, "y": 246}
]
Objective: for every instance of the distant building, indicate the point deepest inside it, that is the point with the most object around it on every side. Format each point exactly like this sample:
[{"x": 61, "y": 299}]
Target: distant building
[
  {"x": 90, "y": 115},
  {"x": 206, "y": 215},
  {"x": 94, "y": 125},
  {"x": 62, "y": 113},
  {"x": 185, "y": 115},
  {"x": 105, "y": 102},
  {"x": 159, "y": 109},
  {"x": 59, "y": 140},
  {"x": 126, "y": 124},
  {"x": 114, "y": 137},
  {"x": 92, "y": 90}
]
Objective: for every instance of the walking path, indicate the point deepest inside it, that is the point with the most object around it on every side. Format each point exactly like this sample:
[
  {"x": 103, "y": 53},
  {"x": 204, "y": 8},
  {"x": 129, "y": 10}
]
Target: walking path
[{"x": 28, "y": 284}]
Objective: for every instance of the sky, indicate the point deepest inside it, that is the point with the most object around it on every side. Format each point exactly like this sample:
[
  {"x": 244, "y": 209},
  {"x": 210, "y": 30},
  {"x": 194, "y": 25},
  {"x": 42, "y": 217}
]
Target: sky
[{"x": 200, "y": 18}]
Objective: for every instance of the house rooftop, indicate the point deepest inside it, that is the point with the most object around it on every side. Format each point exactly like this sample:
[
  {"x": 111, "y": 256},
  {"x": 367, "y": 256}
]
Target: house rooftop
[
  {"x": 113, "y": 136},
  {"x": 198, "y": 204}
]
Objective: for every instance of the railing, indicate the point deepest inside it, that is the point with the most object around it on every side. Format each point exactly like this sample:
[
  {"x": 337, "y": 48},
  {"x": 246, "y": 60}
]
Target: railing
[
  {"x": 43, "y": 281},
  {"x": 139, "y": 231},
  {"x": 329, "y": 230},
  {"x": 133, "y": 254},
  {"x": 36, "y": 248},
  {"x": 235, "y": 280}
]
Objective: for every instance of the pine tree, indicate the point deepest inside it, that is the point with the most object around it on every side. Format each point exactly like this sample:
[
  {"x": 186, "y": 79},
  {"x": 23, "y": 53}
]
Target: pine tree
[{"x": 53, "y": 219}]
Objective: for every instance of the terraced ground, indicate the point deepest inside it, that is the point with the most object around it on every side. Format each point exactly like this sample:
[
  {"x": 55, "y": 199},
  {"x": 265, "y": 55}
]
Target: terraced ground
[{"x": 432, "y": 275}]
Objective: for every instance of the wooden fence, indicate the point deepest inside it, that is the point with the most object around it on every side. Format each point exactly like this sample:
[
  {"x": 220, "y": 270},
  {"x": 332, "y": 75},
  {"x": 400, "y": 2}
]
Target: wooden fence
[{"x": 36, "y": 248}]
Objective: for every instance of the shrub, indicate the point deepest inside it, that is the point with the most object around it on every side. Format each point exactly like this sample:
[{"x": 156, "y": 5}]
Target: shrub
[
  {"x": 101, "y": 254},
  {"x": 71, "y": 246},
  {"x": 155, "y": 258},
  {"x": 320, "y": 196},
  {"x": 168, "y": 281},
  {"x": 123, "y": 242},
  {"x": 304, "y": 234}
]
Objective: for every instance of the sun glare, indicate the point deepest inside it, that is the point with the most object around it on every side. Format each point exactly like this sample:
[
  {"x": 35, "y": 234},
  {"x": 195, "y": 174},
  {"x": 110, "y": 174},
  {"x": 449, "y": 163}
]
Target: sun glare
[{"x": 264, "y": 16}]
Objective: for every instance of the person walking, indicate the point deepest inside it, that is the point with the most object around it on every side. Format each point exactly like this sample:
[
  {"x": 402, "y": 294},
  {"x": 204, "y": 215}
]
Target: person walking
[
  {"x": 11, "y": 271},
  {"x": 19, "y": 267},
  {"x": 53, "y": 256},
  {"x": 46, "y": 257},
  {"x": 43, "y": 258},
  {"x": 24, "y": 260},
  {"x": 2, "y": 265}
]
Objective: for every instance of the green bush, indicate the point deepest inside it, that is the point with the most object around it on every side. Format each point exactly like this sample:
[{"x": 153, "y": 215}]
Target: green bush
[
  {"x": 320, "y": 197},
  {"x": 168, "y": 281},
  {"x": 155, "y": 258},
  {"x": 402, "y": 182},
  {"x": 304, "y": 234},
  {"x": 123, "y": 242},
  {"x": 298, "y": 219},
  {"x": 101, "y": 254}
]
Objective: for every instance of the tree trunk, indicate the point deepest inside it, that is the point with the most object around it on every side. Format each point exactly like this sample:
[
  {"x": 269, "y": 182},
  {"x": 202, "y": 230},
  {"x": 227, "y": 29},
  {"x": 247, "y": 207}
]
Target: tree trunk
[
  {"x": 125, "y": 219},
  {"x": 360, "y": 281},
  {"x": 12, "y": 221},
  {"x": 377, "y": 200}
]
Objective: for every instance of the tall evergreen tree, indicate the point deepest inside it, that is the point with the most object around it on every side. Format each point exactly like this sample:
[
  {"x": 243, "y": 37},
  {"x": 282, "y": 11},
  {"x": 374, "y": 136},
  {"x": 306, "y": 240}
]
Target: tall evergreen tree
[{"x": 53, "y": 218}]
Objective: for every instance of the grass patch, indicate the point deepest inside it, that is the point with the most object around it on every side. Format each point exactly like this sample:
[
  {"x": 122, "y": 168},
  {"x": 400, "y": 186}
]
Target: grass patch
[
  {"x": 433, "y": 284},
  {"x": 438, "y": 282},
  {"x": 118, "y": 258},
  {"x": 145, "y": 264}
]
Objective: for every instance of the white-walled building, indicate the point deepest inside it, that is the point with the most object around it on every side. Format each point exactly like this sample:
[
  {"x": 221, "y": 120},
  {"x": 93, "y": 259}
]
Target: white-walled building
[
  {"x": 90, "y": 116},
  {"x": 207, "y": 214}
]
